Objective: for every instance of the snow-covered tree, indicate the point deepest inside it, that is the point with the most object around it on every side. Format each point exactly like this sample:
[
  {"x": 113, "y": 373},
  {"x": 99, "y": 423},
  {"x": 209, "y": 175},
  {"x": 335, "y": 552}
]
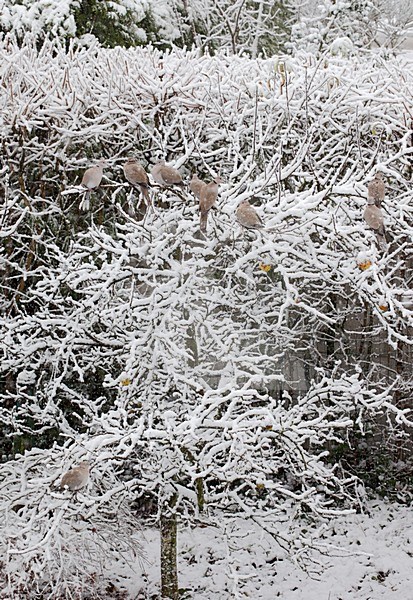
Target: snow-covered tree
[
  {"x": 204, "y": 376},
  {"x": 114, "y": 22},
  {"x": 394, "y": 22},
  {"x": 253, "y": 26},
  {"x": 346, "y": 25},
  {"x": 320, "y": 25}
]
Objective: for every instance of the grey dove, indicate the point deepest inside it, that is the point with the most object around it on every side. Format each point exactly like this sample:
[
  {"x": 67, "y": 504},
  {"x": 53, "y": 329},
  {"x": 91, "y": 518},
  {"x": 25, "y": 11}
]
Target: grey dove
[
  {"x": 373, "y": 216},
  {"x": 166, "y": 176},
  {"x": 196, "y": 185},
  {"x": 77, "y": 477},
  {"x": 91, "y": 180},
  {"x": 377, "y": 189},
  {"x": 247, "y": 216},
  {"x": 136, "y": 175},
  {"x": 207, "y": 198}
]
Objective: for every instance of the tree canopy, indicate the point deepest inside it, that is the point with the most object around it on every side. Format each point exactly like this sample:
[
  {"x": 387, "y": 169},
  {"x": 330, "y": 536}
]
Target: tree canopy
[{"x": 202, "y": 375}]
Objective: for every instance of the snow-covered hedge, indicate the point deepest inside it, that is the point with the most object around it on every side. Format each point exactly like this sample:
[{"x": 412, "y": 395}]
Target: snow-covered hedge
[{"x": 207, "y": 373}]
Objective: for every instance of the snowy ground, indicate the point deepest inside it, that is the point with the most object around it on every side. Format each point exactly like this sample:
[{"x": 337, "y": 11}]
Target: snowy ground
[{"x": 373, "y": 560}]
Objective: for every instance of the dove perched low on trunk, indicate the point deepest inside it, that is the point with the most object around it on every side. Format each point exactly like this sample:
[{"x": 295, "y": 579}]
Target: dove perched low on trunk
[
  {"x": 377, "y": 189},
  {"x": 76, "y": 478},
  {"x": 207, "y": 198},
  {"x": 374, "y": 218},
  {"x": 136, "y": 175},
  {"x": 247, "y": 216},
  {"x": 91, "y": 180},
  {"x": 166, "y": 176}
]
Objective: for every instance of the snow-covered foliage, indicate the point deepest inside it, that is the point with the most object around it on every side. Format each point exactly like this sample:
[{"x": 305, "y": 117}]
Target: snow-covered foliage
[
  {"x": 200, "y": 373},
  {"x": 320, "y": 22},
  {"x": 241, "y": 26},
  {"x": 254, "y": 26},
  {"x": 395, "y": 22},
  {"x": 58, "y": 545},
  {"x": 111, "y": 21},
  {"x": 54, "y": 16}
]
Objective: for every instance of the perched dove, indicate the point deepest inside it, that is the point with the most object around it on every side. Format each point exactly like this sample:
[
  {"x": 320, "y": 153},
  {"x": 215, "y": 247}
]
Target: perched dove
[
  {"x": 166, "y": 176},
  {"x": 207, "y": 198},
  {"x": 196, "y": 185},
  {"x": 91, "y": 180},
  {"x": 76, "y": 478},
  {"x": 377, "y": 189},
  {"x": 374, "y": 218},
  {"x": 247, "y": 216},
  {"x": 136, "y": 175}
]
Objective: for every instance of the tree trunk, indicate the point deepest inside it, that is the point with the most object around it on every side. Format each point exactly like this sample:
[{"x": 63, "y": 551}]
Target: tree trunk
[{"x": 169, "y": 567}]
